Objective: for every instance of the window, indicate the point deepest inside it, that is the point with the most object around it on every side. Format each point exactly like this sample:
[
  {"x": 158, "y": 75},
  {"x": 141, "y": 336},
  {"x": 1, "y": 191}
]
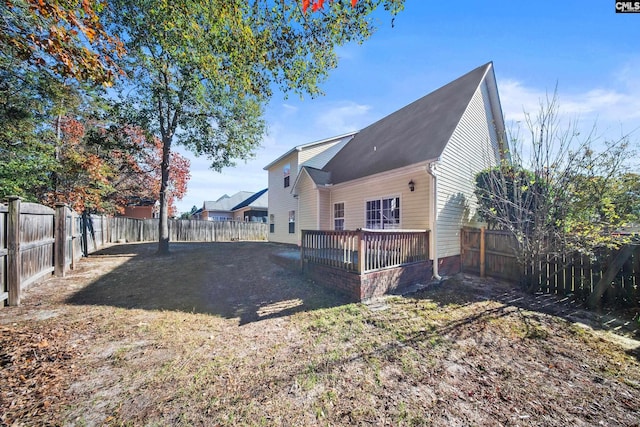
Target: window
[
  {"x": 338, "y": 216},
  {"x": 272, "y": 225},
  {"x": 383, "y": 213},
  {"x": 292, "y": 221},
  {"x": 287, "y": 175}
]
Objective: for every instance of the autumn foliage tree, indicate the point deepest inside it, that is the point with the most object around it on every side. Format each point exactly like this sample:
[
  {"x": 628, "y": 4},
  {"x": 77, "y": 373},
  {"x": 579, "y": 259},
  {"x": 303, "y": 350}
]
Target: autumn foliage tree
[
  {"x": 65, "y": 37},
  {"x": 53, "y": 54},
  {"x": 102, "y": 169}
]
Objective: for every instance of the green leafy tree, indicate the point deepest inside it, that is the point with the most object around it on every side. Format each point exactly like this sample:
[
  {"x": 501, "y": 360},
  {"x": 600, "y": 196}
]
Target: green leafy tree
[
  {"x": 201, "y": 72},
  {"x": 24, "y": 159}
]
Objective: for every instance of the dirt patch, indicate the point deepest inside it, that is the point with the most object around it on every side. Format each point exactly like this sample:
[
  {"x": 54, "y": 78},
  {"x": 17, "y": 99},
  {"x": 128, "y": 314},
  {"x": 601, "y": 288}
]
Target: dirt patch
[{"x": 216, "y": 334}]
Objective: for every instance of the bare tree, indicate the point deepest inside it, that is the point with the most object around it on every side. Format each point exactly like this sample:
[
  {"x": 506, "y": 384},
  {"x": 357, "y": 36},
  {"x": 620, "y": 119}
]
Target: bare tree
[{"x": 560, "y": 191}]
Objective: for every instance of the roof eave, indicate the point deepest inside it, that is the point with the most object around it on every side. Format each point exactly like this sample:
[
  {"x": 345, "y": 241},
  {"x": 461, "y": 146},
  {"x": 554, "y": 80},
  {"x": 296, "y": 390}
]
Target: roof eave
[{"x": 308, "y": 145}]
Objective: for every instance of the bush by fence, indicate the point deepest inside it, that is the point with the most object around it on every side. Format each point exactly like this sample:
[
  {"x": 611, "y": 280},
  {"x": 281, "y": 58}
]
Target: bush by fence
[
  {"x": 36, "y": 241},
  {"x": 612, "y": 276}
]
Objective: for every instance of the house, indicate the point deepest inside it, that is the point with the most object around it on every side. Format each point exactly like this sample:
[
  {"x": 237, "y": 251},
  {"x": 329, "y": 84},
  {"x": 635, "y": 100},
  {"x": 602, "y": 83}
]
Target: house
[
  {"x": 414, "y": 169},
  {"x": 242, "y": 206},
  {"x": 253, "y": 209},
  {"x": 141, "y": 208}
]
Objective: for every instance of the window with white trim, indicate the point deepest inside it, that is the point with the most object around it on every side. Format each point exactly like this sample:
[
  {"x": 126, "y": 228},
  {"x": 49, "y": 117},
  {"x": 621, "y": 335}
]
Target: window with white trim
[
  {"x": 383, "y": 213},
  {"x": 272, "y": 223},
  {"x": 338, "y": 216},
  {"x": 287, "y": 175},
  {"x": 292, "y": 222}
]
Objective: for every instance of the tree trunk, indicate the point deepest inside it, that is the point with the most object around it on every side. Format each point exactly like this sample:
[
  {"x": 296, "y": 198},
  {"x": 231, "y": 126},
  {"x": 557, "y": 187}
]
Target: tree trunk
[{"x": 163, "y": 224}]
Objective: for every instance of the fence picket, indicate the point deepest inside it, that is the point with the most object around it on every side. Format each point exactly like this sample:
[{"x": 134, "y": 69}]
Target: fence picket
[{"x": 578, "y": 273}]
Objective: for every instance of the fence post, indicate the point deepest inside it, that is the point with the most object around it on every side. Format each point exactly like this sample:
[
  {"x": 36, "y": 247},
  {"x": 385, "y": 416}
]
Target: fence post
[
  {"x": 60, "y": 234},
  {"x": 13, "y": 249},
  {"x": 85, "y": 240},
  {"x": 74, "y": 235},
  {"x": 103, "y": 228},
  {"x": 482, "y": 252}
]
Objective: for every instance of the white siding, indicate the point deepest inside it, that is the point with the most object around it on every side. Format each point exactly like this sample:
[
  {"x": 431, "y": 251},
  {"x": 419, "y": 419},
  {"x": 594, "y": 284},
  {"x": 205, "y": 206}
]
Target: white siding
[
  {"x": 325, "y": 210},
  {"x": 308, "y": 205},
  {"x": 414, "y": 206},
  {"x": 472, "y": 148},
  {"x": 281, "y": 201}
]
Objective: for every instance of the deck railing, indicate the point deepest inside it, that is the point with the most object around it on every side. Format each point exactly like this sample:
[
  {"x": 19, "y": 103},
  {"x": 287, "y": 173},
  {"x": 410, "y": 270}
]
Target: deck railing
[{"x": 379, "y": 248}]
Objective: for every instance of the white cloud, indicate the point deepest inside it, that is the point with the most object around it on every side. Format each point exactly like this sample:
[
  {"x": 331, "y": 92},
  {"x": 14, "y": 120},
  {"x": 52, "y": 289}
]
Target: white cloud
[
  {"x": 611, "y": 108},
  {"x": 343, "y": 117}
]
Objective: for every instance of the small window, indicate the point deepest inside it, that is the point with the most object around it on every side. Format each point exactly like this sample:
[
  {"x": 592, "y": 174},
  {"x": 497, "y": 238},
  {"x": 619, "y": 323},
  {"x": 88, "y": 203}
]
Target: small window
[
  {"x": 287, "y": 175},
  {"x": 338, "y": 216},
  {"x": 272, "y": 225},
  {"x": 292, "y": 222}
]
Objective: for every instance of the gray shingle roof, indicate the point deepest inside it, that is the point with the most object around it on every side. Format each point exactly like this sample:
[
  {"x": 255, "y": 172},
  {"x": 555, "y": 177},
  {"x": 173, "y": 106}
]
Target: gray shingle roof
[
  {"x": 318, "y": 176},
  {"x": 416, "y": 133},
  {"x": 258, "y": 199},
  {"x": 225, "y": 203}
]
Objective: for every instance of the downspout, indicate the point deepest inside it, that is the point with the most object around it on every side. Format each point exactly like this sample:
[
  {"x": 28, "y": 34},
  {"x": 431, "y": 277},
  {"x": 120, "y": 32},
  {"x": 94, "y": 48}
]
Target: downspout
[{"x": 431, "y": 169}]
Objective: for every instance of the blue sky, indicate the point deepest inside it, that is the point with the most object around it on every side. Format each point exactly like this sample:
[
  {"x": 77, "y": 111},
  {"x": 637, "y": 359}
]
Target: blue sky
[{"x": 590, "y": 52}]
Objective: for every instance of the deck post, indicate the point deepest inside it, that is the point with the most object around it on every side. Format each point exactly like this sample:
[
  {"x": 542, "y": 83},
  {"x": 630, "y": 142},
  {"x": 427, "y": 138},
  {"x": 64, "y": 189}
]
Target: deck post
[
  {"x": 426, "y": 246},
  {"x": 361, "y": 252},
  {"x": 303, "y": 242}
]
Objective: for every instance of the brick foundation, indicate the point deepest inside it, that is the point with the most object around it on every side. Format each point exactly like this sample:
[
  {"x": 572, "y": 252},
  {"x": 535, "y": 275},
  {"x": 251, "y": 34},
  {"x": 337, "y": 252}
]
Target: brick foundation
[
  {"x": 369, "y": 285},
  {"x": 449, "y": 266}
]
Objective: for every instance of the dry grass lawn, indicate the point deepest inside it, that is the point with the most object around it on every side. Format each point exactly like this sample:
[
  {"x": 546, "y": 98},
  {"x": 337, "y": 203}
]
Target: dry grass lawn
[{"x": 216, "y": 334}]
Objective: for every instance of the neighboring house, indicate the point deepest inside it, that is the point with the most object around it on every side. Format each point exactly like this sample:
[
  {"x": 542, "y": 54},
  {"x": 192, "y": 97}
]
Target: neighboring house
[
  {"x": 414, "y": 169},
  {"x": 242, "y": 206},
  {"x": 141, "y": 208},
  {"x": 254, "y": 208}
]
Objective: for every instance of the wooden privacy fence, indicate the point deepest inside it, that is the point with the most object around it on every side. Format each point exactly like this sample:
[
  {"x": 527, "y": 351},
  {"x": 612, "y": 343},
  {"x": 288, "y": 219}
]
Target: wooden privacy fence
[
  {"x": 490, "y": 253},
  {"x": 612, "y": 274},
  {"x": 379, "y": 248},
  {"x": 184, "y": 230},
  {"x": 36, "y": 241}
]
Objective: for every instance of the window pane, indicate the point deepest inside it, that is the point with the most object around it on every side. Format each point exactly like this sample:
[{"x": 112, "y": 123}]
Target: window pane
[
  {"x": 373, "y": 214},
  {"x": 287, "y": 173},
  {"x": 338, "y": 216},
  {"x": 391, "y": 212}
]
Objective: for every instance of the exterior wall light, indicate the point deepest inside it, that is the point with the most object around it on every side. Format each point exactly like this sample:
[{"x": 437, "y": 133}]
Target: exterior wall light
[{"x": 412, "y": 185}]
